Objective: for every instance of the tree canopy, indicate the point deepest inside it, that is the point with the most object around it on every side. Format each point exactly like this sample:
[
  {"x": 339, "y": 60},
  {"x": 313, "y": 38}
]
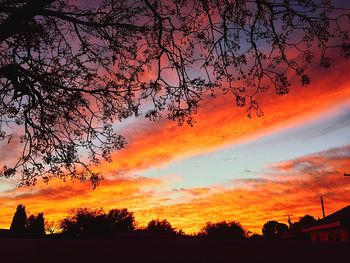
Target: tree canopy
[
  {"x": 85, "y": 222},
  {"x": 18, "y": 224},
  {"x": 162, "y": 227},
  {"x": 70, "y": 71},
  {"x": 36, "y": 225},
  {"x": 23, "y": 226},
  {"x": 273, "y": 229},
  {"x": 304, "y": 222},
  {"x": 224, "y": 230}
]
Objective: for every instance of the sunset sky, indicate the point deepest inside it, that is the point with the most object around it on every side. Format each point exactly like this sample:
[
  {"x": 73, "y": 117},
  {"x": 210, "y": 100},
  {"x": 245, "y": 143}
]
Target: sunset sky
[{"x": 226, "y": 167}]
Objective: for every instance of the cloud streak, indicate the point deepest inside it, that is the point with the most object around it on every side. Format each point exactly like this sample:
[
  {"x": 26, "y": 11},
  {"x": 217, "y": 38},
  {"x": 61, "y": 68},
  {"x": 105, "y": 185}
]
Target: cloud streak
[
  {"x": 291, "y": 187},
  {"x": 220, "y": 123}
]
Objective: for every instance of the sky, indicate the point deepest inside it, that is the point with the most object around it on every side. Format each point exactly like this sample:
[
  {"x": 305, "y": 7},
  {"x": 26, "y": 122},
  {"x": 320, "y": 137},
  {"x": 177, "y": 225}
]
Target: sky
[{"x": 226, "y": 167}]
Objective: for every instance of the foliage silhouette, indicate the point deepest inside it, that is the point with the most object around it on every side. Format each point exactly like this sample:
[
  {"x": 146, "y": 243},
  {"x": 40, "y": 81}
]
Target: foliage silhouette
[
  {"x": 23, "y": 226},
  {"x": 256, "y": 236},
  {"x": 18, "y": 225},
  {"x": 162, "y": 227},
  {"x": 273, "y": 229},
  {"x": 35, "y": 226},
  {"x": 69, "y": 71},
  {"x": 96, "y": 223},
  {"x": 120, "y": 220},
  {"x": 303, "y": 222},
  {"x": 224, "y": 230}
]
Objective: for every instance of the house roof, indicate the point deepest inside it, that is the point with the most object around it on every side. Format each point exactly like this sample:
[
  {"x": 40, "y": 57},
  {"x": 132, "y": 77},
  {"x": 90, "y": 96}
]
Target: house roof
[
  {"x": 321, "y": 227},
  {"x": 331, "y": 221},
  {"x": 340, "y": 215}
]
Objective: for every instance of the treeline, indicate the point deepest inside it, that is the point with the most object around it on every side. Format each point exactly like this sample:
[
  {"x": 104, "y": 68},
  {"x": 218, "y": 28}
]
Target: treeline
[
  {"x": 22, "y": 226},
  {"x": 86, "y": 223}
]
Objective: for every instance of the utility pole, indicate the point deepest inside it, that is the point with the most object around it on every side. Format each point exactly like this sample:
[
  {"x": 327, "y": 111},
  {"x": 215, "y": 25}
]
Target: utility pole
[
  {"x": 289, "y": 222},
  {"x": 322, "y": 207}
]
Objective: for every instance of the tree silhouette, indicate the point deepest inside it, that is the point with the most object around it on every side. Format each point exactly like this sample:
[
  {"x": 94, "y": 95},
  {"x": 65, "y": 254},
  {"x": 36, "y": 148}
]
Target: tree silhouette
[
  {"x": 273, "y": 229},
  {"x": 85, "y": 222},
  {"x": 22, "y": 226},
  {"x": 255, "y": 236},
  {"x": 35, "y": 225},
  {"x": 162, "y": 227},
  {"x": 303, "y": 222},
  {"x": 18, "y": 225},
  {"x": 120, "y": 220},
  {"x": 224, "y": 230},
  {"x": 68, "y": 72}
]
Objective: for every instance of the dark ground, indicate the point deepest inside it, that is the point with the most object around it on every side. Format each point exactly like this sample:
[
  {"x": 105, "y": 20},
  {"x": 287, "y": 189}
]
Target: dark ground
[{"x": 169, "y": 250}]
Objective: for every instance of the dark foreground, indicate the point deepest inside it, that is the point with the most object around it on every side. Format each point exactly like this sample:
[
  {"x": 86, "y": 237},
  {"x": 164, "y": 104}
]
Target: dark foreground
[{"x": 169, "y": 250}]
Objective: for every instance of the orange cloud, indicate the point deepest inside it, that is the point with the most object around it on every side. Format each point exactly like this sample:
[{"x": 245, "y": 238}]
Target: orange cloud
[
  {"x": 295, "y": 189},
  {"x": 57, "y": 198},
  {"x": 220, "y": 123},
  {"x": 292, "y": 187}
]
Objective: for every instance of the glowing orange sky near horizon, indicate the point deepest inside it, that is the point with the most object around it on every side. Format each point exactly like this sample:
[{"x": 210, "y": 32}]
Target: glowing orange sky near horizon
[
  {"x": 219, "y": 124},
  {"x": 294, "y": 185}
]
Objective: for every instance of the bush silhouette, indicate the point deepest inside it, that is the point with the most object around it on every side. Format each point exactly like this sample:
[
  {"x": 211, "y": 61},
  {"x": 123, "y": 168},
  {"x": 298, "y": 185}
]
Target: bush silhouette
[{"x": 224, "y": 230}]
